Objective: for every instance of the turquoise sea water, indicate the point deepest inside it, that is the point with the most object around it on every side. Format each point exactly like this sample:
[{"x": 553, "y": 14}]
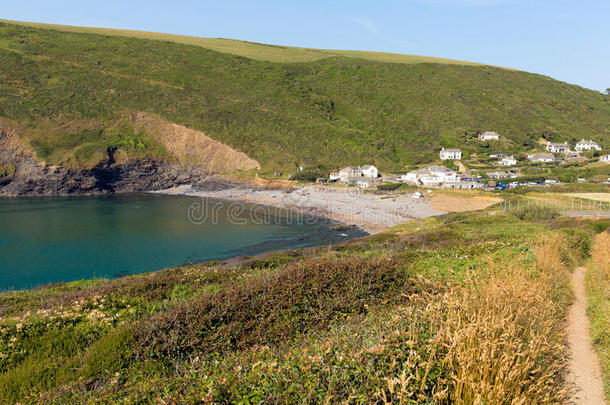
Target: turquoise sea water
[{"x": 50, "y": 240}]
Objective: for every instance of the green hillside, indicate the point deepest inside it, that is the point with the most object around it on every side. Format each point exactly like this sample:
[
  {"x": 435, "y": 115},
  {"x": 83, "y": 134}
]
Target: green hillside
[{"x": 69, "y": 93}]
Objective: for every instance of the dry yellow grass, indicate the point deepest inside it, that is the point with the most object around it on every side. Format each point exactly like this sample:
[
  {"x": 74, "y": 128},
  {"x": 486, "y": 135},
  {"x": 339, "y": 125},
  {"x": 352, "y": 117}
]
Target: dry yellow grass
[
  {"x": 500, "y": 335},
  {"x": 603, "y": 197},
  {"x": 271, "y": 53}
]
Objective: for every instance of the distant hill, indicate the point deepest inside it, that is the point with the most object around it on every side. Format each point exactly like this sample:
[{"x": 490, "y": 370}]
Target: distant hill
[{"x": 70, "y": 92}]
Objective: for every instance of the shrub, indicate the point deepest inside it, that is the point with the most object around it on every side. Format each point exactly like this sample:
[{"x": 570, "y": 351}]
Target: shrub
[{"x": 534, "y": 213}]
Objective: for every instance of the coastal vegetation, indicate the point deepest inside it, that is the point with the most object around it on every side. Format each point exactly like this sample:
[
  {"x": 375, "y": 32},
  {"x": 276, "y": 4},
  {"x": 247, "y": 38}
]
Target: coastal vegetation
[
  {"x": 598, "y": 290},
  {"x": 462, "y": 308},
  {"x": 70, "y": 95}
]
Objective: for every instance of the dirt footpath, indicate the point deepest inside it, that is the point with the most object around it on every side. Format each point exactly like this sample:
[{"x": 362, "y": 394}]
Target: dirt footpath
[{"x": 584, "y": 370}]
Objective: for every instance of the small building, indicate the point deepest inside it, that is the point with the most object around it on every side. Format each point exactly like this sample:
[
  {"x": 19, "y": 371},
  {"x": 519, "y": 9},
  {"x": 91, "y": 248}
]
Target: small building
[
  {"x": 574, "y": 158},
  {"x": 489, "y": 136},
  {"x": 497, "y": 175},
  {"x": 370, "y": 171},
  {"x": 334, "y": 177},
  {"x": 605, "y": 158},
  {"x": 541, "y": 157},
  {"x": 451, "y": 154},
  {"x": 364, "y": 182},
  {"x": 507, "y": 161},
  {"x": 558, "y": 147},
  {"x": 497, "y": 155},
  {"x": 463, "y": 185},
  {"x": 587, "y": 145},
  {"x": 431, "y": 176},
  {"x": 348, "y": 172}
]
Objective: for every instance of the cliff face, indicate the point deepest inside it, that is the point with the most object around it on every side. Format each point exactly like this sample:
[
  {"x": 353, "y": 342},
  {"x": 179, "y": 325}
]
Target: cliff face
[{"x": 22, "y": 174}]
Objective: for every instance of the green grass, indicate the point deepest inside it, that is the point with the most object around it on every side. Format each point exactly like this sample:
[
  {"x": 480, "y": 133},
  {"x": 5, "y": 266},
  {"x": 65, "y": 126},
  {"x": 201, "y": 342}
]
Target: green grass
[
  {"x": 301, "y": 326},
  {"x": 598, "y": 291},
  {"x": 252, "y": 50},
  {"x": 327, "y": 112}
]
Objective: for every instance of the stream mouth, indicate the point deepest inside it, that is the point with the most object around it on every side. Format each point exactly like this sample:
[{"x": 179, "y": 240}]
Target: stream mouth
[{"x": 61, "y": 239}]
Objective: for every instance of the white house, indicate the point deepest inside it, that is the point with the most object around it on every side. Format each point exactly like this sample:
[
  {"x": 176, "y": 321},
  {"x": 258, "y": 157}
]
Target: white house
[
  {"x": 587, "y": 145},
  {"x": 541, "y": 157},
  {"x": 497, "y": 175},
  {"x": 334, "y": 177},
  {"x": 451, "y": 154},
  {"x": 489, "y": 136},
  {"x": 508, "y": 161},
  {"x": 558, "y": 147},
  {"x": 605, "y": 158},
  {"x": 347, "y": 172},
  {"x": 364, "y": 183},
  {"x": 497, "y": 155},
  {"x": 370, "y": 171},
  {"x": 431, "y": 176}
]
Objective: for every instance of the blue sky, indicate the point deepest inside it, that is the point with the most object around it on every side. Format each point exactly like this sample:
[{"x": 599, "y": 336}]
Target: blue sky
[{"x": 566, "y": 39}]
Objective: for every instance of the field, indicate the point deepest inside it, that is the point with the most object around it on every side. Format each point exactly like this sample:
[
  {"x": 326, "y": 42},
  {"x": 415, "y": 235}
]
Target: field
[
  {"x": 463, "y": 308},
  {"x": 70, "y": 95},
  {"x": 604, "y": 197}
]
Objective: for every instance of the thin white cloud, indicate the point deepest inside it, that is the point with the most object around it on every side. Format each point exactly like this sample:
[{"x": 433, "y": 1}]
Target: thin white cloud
[{"x": 365, "y": 24}]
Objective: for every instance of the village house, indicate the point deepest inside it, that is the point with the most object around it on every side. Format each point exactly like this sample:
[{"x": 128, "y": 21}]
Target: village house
[
  {"x": 587, "y": 145},
  {"x": 558, "y": 147},
  {"x": 605, "y": 158},
  {"x": 541, "y": 157},
  {"x": 451, "y": 154},
  {"x": 334, "y": 177},
  {"x": 574, "y": 158},
  {"x": 348, "y": 172},
  {"x": 364, "y": 182},
  {"x": 497, "y": 175},
  {"x": 463, "y": 185},
  {"x": 431, "y": 176},
  {"x": 489, "y": 136},
  {"x": 497, "y": 155},
  {"x": 507, "y": 161},
  {"x": 370, "y": 171}
]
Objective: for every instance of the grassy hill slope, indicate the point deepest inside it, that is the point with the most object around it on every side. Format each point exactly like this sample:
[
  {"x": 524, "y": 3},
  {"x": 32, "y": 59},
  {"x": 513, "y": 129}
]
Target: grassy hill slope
[
  {"x": 252, "y": 50},
  {"x": 69, "y": 93}
]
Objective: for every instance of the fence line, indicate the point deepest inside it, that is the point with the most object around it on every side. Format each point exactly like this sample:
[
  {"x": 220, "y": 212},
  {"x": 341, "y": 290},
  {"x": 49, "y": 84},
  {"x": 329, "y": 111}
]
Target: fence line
[{"x": 563, "y": 205}]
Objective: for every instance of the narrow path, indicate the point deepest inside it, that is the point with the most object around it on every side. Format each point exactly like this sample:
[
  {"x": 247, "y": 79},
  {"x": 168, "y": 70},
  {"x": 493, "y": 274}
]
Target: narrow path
[{"x": 584, "y": 370}]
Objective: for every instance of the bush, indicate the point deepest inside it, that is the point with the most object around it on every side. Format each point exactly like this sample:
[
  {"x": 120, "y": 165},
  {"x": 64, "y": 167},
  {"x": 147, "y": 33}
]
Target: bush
[{"x": 535, "y": 213}]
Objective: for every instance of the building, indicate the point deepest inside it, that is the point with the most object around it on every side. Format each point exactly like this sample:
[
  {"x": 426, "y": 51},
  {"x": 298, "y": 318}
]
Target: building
[
  {"x": 463, "y": 185},
  {"x": 497, "y": 155},
  {"x": 431, "y": 176},
  {"x": 370, "y": 171},
  {"x": 497, "y": 175},
  {"x": 364, "y": 182},
  {"x": 587, "y": 145},
  {"x": 541, "y": 157},
  {"x": 574, "y": 158},
  {"x": 334, "y": 177},
  {"x": 558, "y": 147},
  {"x": 507, "y": 161},
  {"x": 605, "y": 158},
  {"x": 451, "y": 154},
  {"x": 348, "y": 172},
  {"x": 489, "y": 136}
]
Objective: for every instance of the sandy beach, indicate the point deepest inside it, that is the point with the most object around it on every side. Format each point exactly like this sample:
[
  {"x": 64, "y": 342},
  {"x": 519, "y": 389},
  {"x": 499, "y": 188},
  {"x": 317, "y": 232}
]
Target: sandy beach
[{"x": 351, "y": 206}]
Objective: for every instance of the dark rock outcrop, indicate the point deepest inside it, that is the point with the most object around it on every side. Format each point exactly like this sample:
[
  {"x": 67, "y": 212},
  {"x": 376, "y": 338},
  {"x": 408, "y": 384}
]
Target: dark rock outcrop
[{"x": 30, "y": 177}]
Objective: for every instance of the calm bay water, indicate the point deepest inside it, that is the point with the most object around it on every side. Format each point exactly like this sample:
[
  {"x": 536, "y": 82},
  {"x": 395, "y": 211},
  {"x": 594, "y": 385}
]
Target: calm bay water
[{"x": 73, "y": 238}]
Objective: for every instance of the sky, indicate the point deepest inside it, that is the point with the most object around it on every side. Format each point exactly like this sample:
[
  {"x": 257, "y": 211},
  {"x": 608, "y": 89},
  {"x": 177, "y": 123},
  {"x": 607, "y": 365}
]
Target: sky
[{"x": 566, "y": 39}]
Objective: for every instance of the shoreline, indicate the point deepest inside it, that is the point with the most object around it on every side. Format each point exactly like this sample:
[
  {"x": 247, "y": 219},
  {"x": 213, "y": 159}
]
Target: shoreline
[{"x": 349, "y": 206}]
